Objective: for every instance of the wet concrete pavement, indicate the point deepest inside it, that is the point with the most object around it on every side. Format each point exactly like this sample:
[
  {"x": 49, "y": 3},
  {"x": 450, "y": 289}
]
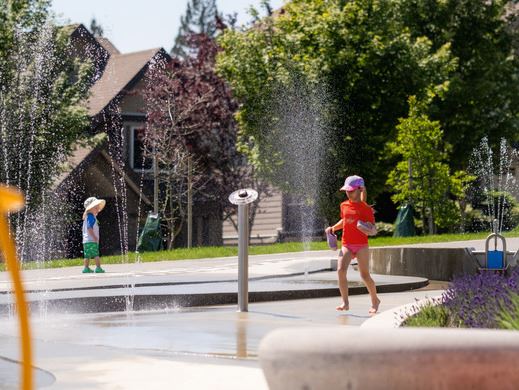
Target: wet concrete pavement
[
  {"x": 203, "y": 282},
  {"x": 194, "y": 348},
  {"x": 212, "y": 347}
]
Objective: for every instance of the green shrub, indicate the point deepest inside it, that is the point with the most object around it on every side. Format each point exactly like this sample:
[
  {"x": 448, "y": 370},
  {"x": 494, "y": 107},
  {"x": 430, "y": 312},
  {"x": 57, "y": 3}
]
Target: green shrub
[
  {"x": 385, "y": 229},
  {"x": 508, "y": 204},
  {"x": 476, "y": 221},
  {"x": 448, "y": 217},
  {"x": 514, "y": 218},
  {"x": 430, "y": 316},
  {"x": 508, "y": 318}
]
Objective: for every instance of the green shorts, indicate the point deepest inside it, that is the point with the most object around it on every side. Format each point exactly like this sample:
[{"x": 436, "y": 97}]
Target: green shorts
[{"x": 90, "y": 250}]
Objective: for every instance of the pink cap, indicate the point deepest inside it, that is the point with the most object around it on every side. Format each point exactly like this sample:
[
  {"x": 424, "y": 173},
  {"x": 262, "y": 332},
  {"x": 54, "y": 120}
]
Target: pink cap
[{"x": 352, "y": 183}]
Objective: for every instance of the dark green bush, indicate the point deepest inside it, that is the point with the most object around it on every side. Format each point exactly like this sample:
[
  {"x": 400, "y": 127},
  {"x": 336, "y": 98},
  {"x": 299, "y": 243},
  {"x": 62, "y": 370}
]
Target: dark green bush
[
  {"x": 476, "y": 221},
  {"x": 496, "y": 204}
]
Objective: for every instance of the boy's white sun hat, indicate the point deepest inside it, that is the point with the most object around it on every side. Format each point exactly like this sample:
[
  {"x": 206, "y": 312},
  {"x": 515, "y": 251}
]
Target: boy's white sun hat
[{"x": 93, "y": 202}]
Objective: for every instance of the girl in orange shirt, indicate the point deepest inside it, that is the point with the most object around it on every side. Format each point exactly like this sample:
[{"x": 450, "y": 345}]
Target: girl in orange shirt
[{"x": 357, "y": 223}]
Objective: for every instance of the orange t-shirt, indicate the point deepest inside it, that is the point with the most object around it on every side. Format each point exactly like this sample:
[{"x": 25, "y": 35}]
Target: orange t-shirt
[{"x": 351, "y": 212}]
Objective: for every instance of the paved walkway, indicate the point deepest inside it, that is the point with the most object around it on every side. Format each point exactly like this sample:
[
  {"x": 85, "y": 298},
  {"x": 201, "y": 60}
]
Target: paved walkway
[
  {"x": 479, "y": 245},
  {"x": 189, "y": 283},
  {"x": 183, "y": 348},
  {"x": 182, "y": 271},
  {"x": 197, "y": 348}
]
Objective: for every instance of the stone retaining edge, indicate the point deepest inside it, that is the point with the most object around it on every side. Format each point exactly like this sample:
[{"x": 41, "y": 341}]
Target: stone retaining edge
[
  {"x": 431, "y": 263},
  {"x": 396, "y": 316},
  {"x": 400, "y": 359}
]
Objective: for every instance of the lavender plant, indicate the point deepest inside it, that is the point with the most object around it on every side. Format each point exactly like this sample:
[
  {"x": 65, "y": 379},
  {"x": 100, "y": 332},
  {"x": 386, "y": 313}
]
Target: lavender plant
[
  {"x": 508, "y": 318},
  {"x": 476, "y": 301}
]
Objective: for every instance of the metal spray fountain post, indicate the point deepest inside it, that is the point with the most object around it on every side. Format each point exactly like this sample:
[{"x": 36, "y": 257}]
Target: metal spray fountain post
[
  {"x": 243, "y": 198},
  {"x": 496, "y": 259}
]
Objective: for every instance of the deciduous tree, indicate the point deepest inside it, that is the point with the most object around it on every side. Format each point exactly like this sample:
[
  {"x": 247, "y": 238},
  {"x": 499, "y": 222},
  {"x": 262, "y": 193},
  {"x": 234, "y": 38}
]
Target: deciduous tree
[
  {"x": 42, "y": 87},
  {"x": 483, "y": 95},
  {"x": 191, "y": 115},
  {"x": 369, "y": 64},
  {"x": 422, "y": 177}
]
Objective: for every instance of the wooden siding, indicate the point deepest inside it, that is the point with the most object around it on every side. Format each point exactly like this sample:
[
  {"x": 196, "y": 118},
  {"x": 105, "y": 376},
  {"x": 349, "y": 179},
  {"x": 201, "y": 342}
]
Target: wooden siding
[{"x": 267, "y": 224}]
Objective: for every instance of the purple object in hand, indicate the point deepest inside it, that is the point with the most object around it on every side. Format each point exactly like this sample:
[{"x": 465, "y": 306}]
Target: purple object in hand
[
  {"x": 332, "y": 241},
  {"x": 368, "y": 227}
]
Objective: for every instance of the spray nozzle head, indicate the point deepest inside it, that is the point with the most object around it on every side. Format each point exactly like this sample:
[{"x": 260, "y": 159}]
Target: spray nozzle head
[{"x": 243, "y": 196}]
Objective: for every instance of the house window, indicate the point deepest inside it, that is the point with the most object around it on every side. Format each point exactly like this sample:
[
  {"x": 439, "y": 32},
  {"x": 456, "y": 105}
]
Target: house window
[{"x": 137, "y": 159}]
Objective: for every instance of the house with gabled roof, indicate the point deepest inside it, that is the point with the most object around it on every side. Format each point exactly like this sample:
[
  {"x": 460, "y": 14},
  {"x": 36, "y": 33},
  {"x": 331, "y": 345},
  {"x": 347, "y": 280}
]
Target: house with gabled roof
[{"x": 111, "y": 162}]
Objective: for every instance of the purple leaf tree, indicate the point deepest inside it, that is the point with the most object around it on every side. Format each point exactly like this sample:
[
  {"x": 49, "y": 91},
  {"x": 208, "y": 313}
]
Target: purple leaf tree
[{"x": 191, "y": 134}]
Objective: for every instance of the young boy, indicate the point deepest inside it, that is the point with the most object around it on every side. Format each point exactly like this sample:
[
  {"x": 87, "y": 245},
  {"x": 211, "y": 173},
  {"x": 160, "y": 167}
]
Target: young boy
[
  {"x": 91, "y": 233},
  {"x": 355, "y": 239}
]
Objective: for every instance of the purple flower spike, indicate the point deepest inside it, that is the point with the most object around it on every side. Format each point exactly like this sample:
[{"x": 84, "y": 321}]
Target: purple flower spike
[{"x": 476, "y": 300}]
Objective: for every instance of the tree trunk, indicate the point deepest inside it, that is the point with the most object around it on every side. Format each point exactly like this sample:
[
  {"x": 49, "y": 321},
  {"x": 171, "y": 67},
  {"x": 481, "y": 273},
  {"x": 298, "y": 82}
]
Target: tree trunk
[
  {"x": 171, "y": 236},
  {"x": 432, "y": 229},
  {"x": 424, "y": 218},
  {"x": 463, "y": 215}
]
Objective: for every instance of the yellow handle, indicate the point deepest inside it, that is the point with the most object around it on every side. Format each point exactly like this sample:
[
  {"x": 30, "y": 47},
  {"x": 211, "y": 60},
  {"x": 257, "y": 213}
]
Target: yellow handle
[{"x": 12, "y": 200}]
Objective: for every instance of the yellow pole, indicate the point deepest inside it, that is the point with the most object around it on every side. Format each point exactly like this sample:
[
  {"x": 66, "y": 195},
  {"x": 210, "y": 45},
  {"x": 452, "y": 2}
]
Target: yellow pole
[{"x": 12, "y": 200}]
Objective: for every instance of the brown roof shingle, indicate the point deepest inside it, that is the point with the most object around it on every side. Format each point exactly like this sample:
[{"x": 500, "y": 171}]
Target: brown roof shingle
[
  {"x": 108, "y": 45},
  {"x": 119, "y": 72}
]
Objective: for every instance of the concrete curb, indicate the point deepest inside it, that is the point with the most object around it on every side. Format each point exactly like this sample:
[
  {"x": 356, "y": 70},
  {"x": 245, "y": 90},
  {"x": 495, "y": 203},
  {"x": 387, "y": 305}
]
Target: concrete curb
[
  {"x": 125, "y": 301},
  {"x": 10, "y": 369},
  {"x": 395, "y": 317},
  {"x": 430, "y": 263},
  {"x": 404, "y": 359}
]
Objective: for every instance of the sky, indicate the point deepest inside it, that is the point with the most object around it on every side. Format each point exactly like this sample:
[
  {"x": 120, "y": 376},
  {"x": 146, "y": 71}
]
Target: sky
[{"x": 134, "y": 25}]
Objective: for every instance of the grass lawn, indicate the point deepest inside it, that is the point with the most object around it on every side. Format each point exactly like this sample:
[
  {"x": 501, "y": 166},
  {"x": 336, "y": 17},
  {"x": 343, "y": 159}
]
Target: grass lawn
[{"x": 223, "y": 251}]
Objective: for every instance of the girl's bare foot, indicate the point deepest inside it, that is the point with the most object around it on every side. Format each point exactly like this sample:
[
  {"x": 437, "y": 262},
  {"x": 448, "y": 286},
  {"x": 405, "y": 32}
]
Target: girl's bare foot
[
  {"x": 343, "y": 307},
  {"x": 374, "y": 307}
]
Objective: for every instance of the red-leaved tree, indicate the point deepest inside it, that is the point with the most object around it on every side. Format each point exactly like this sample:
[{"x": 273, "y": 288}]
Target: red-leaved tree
[{"x": 190, "y": 113}]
